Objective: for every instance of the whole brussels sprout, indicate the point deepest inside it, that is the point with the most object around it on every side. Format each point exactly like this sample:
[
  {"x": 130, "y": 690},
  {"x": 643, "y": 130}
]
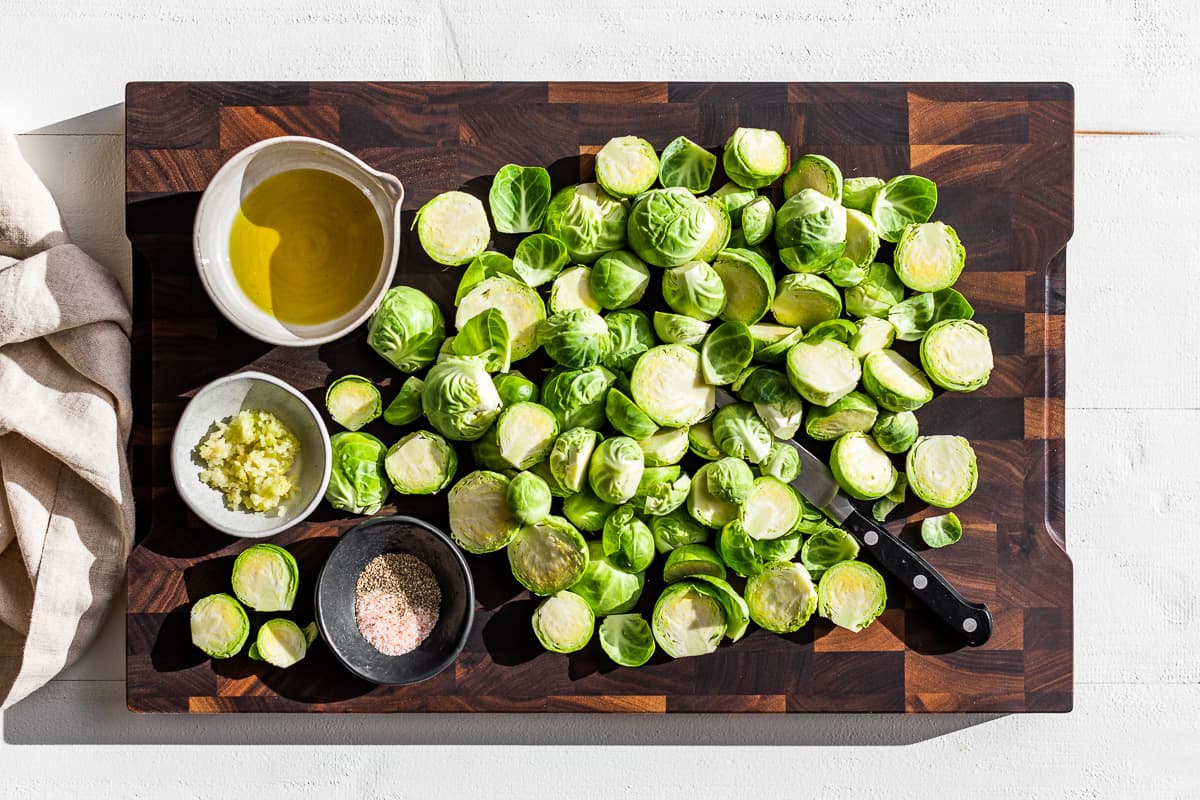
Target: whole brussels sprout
[
  {"x": 687, "y": 164},
  {"x": 588, "y": 220},
  {"x": 755, "y": 157},
  {"x": 734, "y": 198},
  {"x": 406, "y": 329},
  {"x": 460, "y": 399},
  {"x": 453, "y": 228},
  {"x": 586, "y": 511},
  {"x": 607, "y": 588},
  {"x": 895, "y": 431},
  {"x": 783, "y": 462},
  {"x": 669, "y": 227},
  {"x": 529, "y": 498},
  {"x": 616, "y": 469},
  {"x": 630, "y": 334},
  {"x": 694, "y": 290},
  {"x": 357, "y": 479},
  {"x": 627, "y": 540},
  {"x": 726, "y": 352},
  {"x": 810, "y": 231},
  {"x": 730, "y": 480},
  {"x": 676, "y": 529},
  {"x": 576, "y": 338},
  {"x": 619, "y": 279},
  {"x": 576, "y": 396},
  {"x": 758, "y": 220},
  {"x": 513, "y": 387}
]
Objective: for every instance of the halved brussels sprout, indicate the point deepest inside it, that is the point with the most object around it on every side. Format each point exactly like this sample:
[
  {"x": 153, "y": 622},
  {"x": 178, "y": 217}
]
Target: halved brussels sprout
[
  {"x": 755, "y": 157},
  {"x": 485, "y": 265},
  {"x": 782, "y": 597},
  {"x": 784, "y": 548},
  {"x": 265, "y": 577},
  {"x": 513, "y": 388},
  {"x": 453, "y": 228},
  {"x": 912, "y": 318},
  {"x": 679, "y": 329},
  {"x": 676, "y": 530},
  {"x": 774, "y": 399},
  {"x": 687, "y": 620},
  {"x": 804, "y": 300},
  {"x": 460, "y": 399},
  {"x": 733, "y": 605},
  {"x": 730, "y": 480},
  {"x": 771, "y": 510},
  {"x": 703, "y": 506},
  {"x": 668, "y": 385},
  {"x": 860, "y": 467},
  {"x": 892, "y": 500},
  {"x": 480, "y": 518},
  {"x": 576, "y": 396},
  {"x": 942, "y": 530},
  {"x": 726, "y": 352},
  {"x": 619, "y": 279},
  {"x": 812, "y": 171},
  {"x": 859, "y": 193},
  {"x": 851, "y": 595},
  {"x": 406, "y": 329},
  {"x": 822, "y": 372},
  {"x": 722, "y": 229},
  {"x": 692, "y": 559},
  {"x": 586, "y": 511},
  {"x": 665, "y": 447},
  {"x": 563, "y": 622},
  {"x": 485, "y": 335},
  {"x": 929, "y": 257},
  {"x": 741, "y": 433},
  {"x": 738, "y": 550},
  {"x": 877, "y": 292},
  {"x": 776, "y": 352},
  {"x": 825, "y": 548},
  {"x": 896, "y": 383},
  {"x": 624, "y": 415},
  {"x": 421, "y": 463},
  {"x": 572, "y": 289},
  {"x": 219, "y": 625},
  {"x": 694, "y": 290},
  {"x": 749, "y": 284},
  {"x": 357, "y": 482},
  {"x": 874, "y": 333},
  {"x": 758, "y": 220},
  {"x": 862, "y": 243},
  {"x": 904, "y": 200},
  {"x": 661, "y": 490},
  {"x": 626, "y": 166},
  {"x": 895, "y": 431},
  {"x": 353, "y": 401},
  {"x": 574, "y": 339},
  {"x": 957, "y": 355},
  {"x": 766, "y": 334},
  {"x": 734, "y": 198},
  {"x": 627, "y": 639},
  {"x": 521, "y": 306},
  {"x": 570, "y": 456},
  {"x": 548, "y": 556},
  {"x": 783, "y": 462},
  {"x": 810, "y": 231},
  {"x": 854, "y": 412},
  {"x": 701, "y": 441},
  {"x": 528, "y": 498},
  {"x": 588, "y": 220},
  {"x": 406, "y": 405},
  {"x": 542, "y": 470},
  {"x": 669, "y": 227},
  {"x": 942, "y": 470},
  {"x": 630, "y": 334},
  {"x": 687, "y": 164},
  {"x": 519, "y": 197},
  {"x": 627, "y": 540},
  {"x": 616, "y": 469},
  {"x": 607, "y": 588},
  {"x": 280, "y": 643}
]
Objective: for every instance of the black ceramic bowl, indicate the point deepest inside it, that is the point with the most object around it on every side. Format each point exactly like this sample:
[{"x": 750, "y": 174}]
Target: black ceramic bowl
[{"x": 335, "y": 599}]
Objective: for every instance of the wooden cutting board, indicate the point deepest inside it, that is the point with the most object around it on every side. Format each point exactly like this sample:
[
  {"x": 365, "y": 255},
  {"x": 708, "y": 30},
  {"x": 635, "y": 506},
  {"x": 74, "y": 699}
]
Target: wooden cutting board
[{"x": 1003, "y": 160}]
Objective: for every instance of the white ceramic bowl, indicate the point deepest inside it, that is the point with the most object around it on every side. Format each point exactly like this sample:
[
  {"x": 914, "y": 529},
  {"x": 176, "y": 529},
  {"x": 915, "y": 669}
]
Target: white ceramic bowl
[
  {"x": 219, "y": 206},
  {"x": 223, "y": 398}
]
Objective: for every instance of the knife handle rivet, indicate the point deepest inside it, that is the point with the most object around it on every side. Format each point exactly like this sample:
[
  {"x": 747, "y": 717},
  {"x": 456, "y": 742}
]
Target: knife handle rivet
[
  {"x": 920, "y": 582},
  {"x": 871, "y": 538},
  {"x": 969, "y": 625}
]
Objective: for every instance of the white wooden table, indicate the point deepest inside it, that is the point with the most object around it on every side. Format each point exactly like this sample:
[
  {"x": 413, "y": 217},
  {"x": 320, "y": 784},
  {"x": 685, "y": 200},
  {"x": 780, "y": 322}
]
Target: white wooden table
[{"x": 1132, "y": 403}]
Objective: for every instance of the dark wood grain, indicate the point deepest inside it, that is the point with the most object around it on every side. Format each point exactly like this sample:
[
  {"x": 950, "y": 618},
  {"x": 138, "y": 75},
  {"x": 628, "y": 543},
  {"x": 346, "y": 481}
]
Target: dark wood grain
[{"x": 1002, "y": 155}]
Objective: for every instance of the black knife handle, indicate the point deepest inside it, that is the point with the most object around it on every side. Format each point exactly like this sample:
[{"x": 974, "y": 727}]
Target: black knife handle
[{"x": 971, "y": 622}]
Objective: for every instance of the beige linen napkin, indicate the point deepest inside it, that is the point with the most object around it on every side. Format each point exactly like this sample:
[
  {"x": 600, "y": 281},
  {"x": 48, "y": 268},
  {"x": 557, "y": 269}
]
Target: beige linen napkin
[{"x": 66, "y": 508}]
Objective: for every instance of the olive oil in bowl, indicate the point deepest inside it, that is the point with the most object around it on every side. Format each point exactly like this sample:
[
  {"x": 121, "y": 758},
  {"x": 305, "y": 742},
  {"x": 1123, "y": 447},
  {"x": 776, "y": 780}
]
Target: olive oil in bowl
[{"x": 306, "y": 246}]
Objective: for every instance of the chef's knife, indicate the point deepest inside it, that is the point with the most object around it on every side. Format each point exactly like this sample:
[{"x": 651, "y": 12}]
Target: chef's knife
[{"x": 970, "y": 622}]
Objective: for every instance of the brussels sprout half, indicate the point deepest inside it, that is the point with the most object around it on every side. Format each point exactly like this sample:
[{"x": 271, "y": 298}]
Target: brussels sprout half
[
  {"x": 281, "y": 642},
  {"x": 895, "y": 382},
  {"x": 626, "y": 166},
  {"x": 357, "y": 480},
  {"x": 812, "y": 171},
  {"x": 805, "y": 300},
  {"x": 627, "y": 639},
  {"x": 810, "y": 231},
  {"x": 703, "y": 506},
  {"x": 862, "y": 243},
  {"x": 453, "y": 228},
  {"x": 668, "y": 385},
  {"x": 904, "y": 200},
  {"x": 572, "y": 289},
  {"x": 776, "y": 352},
  {"x": 481, "y": 520},
  {"x": 692, "y": 559},
  {"x": 755, "y": 157},
  {"x": 619, "y": 279},
  {"x": 957, "y": 355},
  {"x": 519, "y": 197},
  {"x": 694, "y": 290},
  {"x": 860, "y": 467},
  {"x": 353, "y": 401},
  {"x": 758, "y": 220},
  {"x": 873, "y": 333},
  {"x": 570, "y": 456},
  {"x": 624, "y": 415},
  {"x": 576, "y": 338},
  {"x": 406, "y": 329},
  {"x": 701, "y": 441},
  {"x": 265, "y": 577},
  {"x": 721, "y": 231},
  {"x": 460, "y": 399},
  {"x": 219, "y": 625},
  {"x": 548, "y": 556},
  {"x": 749, "y": 284},
  {"x": 851, "y": 595},
  {"x": 528, "y": 498},
  {"x": 942, "y": 470},
  {"x": 665, "y": 447},
  {"x": 687, "y": 620},
  {"x": 564, "y": 622},
  {"x": 825, "y": 548},
  {"x": 661, "y": 490},
  {"x": 782, "y": 597},
  {"x": 854, "y": 412},
  {"x": 420, "y": 463},
  {"x": 877, "y": 292},
  {"x": 778, "y": 405},
  {"x": 627, "y": 540},
  {"x": 588, "y": 220},
  {"x": 734, "y": 199},
  {"x": 676, "y": 529},
  {"x": 859, "y": 193},
  {"x": 669, "y": 227},
  {"x": 895, "y": 431},
  {"x": 630, "y": 334},
  {"x": 679, "y": 329},
  {"x": 822, "y": 372},
  {"x": 741, "y": 433},
  {"x": 783, "y": 462},
  {"x": 520, "y": 305},
  {"x": 739, "y": 551},
  {"x": 406, "y": 405},
  {"x": 616, "y": 469},
  {"x": 929, "y": 257},
  {"x": 687, "y": 164},
  {"x": 942, "y": 530},
  {"x": 771, "y": 510}
]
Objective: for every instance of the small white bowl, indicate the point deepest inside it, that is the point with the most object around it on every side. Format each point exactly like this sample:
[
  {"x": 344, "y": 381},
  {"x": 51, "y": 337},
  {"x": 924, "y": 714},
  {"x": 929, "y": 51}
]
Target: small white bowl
[
  {"x": 224, "y": 398},
  {"x": 218, "y": 209}
]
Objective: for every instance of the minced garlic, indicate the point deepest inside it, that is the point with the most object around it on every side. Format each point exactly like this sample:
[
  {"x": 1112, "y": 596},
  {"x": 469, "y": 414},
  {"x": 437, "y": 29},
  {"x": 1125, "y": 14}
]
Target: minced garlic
[{"x": 248, "y": 459}]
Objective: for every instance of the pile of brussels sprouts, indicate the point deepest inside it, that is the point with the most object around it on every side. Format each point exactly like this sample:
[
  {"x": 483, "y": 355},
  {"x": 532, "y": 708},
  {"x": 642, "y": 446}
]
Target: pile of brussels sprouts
[{"x": 606, "y": 451}]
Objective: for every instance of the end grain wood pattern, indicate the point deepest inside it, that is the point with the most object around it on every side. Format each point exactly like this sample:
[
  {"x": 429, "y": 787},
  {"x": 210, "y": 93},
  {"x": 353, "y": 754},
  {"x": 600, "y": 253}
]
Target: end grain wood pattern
[{"x": 1003, "y": 160}]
